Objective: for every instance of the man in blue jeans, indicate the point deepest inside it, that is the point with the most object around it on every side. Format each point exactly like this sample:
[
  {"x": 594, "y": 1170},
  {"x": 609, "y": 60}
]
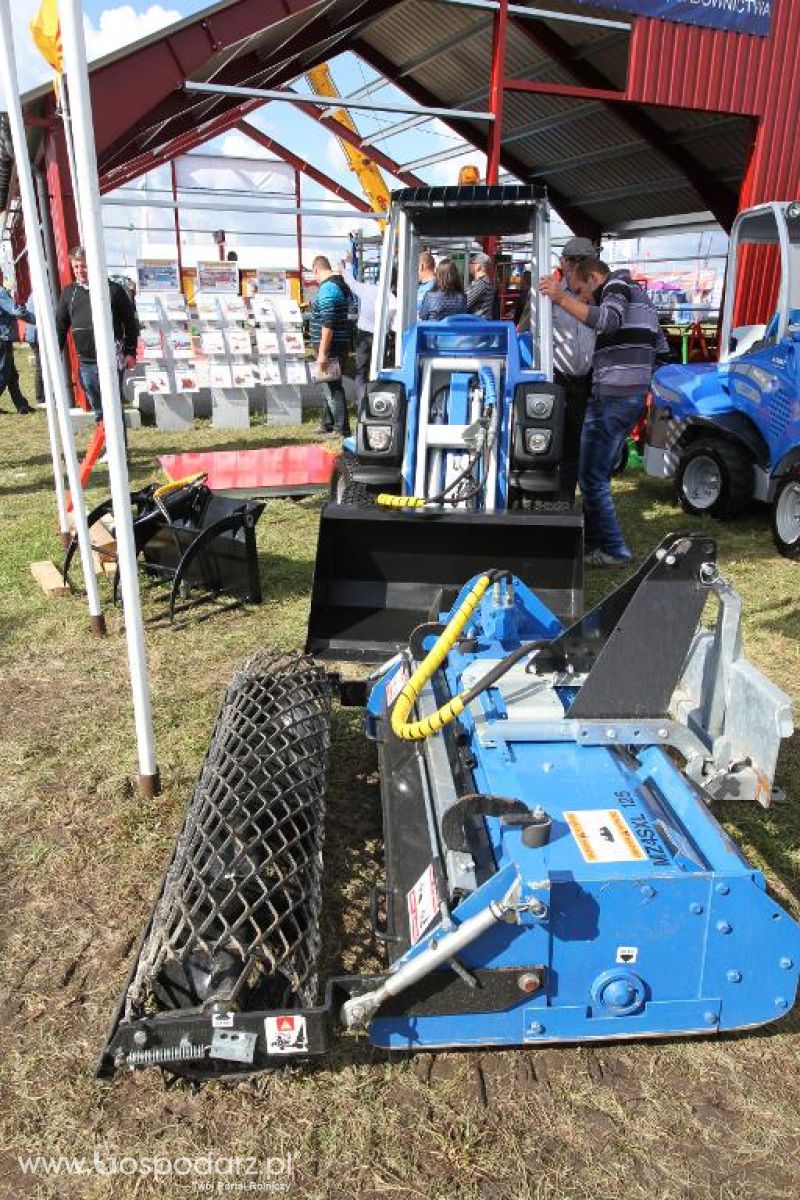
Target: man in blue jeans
[
  {"x": 330, "y": 337},
  {"x": 629, "y": 341}
]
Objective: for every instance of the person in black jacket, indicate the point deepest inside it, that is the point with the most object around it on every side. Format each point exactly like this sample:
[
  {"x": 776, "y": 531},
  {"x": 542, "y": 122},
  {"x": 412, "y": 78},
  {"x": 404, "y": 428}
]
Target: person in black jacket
[{"x": 74, "y": 313}]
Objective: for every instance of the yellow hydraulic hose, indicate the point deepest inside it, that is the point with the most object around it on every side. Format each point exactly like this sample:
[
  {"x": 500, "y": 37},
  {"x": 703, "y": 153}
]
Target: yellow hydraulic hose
[
  {"x": 176, "y": 484},
  {"x": 414, "y": 731},
  {"x": 387, "y": 500}
]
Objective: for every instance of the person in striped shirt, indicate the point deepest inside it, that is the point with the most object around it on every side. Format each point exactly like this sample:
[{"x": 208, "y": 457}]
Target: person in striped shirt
[
  {"x": 330, "y": 338},
  {"x": 629, "y": 340},
  {"x": 446, "y": 298}
]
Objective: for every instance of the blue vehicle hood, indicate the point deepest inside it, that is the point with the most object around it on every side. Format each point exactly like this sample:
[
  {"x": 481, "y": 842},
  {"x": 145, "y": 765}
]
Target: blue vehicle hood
[{"x": 701, "y": 387}]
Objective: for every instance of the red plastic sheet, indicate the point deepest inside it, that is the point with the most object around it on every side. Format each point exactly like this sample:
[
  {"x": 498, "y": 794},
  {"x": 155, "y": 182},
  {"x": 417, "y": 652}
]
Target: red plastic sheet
[{"x": 277, "y": 471}]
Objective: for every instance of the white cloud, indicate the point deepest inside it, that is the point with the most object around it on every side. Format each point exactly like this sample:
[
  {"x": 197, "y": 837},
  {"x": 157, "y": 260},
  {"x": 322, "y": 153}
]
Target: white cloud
[
  {"x": 123, "y": 25},
  {"x": 117, "y": 26}
]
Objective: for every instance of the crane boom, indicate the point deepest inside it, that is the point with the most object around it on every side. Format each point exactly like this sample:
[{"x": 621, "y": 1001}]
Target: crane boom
[{"x": 368, "y": 174}]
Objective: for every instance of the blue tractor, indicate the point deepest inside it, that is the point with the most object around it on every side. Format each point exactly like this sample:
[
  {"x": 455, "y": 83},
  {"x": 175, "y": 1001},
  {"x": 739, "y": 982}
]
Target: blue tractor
[
  {"x": 456, "y": 456},
  {"x": 729, "y": 432}
]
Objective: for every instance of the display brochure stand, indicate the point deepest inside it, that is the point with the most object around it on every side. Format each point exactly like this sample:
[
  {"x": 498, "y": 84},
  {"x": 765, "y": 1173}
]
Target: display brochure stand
[
  {"x": 227, "y": 344},
  {"x": 170, "y": 376},
  {"x": 282, "y": 366}
]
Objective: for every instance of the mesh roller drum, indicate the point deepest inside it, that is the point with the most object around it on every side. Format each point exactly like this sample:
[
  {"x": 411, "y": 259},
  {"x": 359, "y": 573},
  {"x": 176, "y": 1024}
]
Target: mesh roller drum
[{"x": 237, "y": 922}]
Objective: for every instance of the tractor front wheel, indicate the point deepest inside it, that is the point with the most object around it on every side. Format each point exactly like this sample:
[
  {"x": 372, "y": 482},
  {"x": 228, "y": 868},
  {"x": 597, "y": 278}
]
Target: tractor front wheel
[
  {"x": 786, "y": 517},
  {"x": 715, "y": 479}
]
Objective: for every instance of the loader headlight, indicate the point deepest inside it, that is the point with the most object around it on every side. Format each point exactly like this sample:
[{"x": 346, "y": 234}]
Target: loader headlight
[
  {"x": 382, "y": 404},
  {"x": 538, "y": 406},
  {"x": 379, "y": 437},
  {"x": 537, "y": 441}
]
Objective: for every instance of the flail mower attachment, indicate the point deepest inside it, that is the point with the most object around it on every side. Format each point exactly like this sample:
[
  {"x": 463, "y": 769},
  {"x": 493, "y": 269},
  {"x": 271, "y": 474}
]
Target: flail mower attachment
[{"x": 553, "y": 871}]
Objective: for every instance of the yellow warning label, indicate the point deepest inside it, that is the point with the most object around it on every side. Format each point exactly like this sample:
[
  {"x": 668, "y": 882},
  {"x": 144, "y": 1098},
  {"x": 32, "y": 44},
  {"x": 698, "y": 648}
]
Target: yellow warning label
[{"x": 603, "y": 835}]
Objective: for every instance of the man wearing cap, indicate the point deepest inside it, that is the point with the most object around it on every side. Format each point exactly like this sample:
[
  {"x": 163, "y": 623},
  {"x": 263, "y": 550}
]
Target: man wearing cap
[
  {"x": 480, "y": 293},
  {"x": 573, "y": 348},
  {"x": 630, "y": 343}
]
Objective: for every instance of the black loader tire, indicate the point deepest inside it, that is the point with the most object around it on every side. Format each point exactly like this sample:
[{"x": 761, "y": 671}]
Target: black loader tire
[
  {"x": 341, "y": 475},
  {"x": 727, "y": 469},
  {"x": 358, "y": 495},
  {"x": 786, "y": 517}
]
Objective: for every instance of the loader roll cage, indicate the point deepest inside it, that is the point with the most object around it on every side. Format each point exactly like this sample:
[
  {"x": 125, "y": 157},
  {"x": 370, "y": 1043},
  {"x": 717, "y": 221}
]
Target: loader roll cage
[
  {"x": 453, "y": 218},
  {"x": 775, "y": 224}
]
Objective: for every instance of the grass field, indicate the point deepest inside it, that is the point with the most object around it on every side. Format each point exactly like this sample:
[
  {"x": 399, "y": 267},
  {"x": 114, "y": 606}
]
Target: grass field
[{"x": 82, "y": 855}]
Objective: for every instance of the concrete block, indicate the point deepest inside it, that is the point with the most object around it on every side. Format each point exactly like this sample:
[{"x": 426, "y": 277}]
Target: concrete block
[
  {"x": 230, "y": 408},
  {"x": 175, "y": 413}
]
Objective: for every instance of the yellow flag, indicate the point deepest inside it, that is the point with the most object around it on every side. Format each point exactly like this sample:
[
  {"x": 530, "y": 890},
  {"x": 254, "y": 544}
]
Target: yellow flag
[{"x": 46, "y": 33}]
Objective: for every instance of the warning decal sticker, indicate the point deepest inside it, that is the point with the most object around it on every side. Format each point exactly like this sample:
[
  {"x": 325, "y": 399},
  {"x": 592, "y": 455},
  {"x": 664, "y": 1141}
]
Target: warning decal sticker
[
  {"x": 423, "y": 904},
  {"x": 396, "y": 684},
  {"x": 286, "y": 1035},
  {"x": 603, "y": 835}
]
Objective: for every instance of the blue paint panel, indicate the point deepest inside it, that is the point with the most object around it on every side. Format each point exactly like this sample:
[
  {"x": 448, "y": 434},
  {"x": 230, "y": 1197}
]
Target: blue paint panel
[
  {"x": 462, "y": 337},
  {"x": 738, "y": 16},
  {"x": 672, "y": 932}
]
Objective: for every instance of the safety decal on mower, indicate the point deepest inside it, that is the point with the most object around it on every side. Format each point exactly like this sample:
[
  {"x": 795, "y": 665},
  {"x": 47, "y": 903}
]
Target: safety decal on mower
[
  {"x": 603, "y": 835},
  {"x": 286, "y": 1035},
  {"x": 423, "y": 904},
  {"x": 396, "y": 684}
]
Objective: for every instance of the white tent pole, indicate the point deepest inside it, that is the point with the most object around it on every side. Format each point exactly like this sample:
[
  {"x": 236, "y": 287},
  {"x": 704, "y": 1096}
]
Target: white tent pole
[
  {"x": 47, "y": 379},
  {"x": 74, "y": 47},
  {"x": 66, "y": 122},
  {"x": 55, "y": 447},
  {"x": 45, "y": 319}
]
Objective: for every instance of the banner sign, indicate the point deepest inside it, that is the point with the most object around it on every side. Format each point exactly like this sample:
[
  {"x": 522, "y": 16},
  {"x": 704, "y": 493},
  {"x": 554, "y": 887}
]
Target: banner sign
[
  {"x": 223, "y": 173},
  {"x": 271, "y": 282},
  {"x": 157, "y": 275},
  {"x": 734, "y": 16},
  {"x": 218, "y": 277}
]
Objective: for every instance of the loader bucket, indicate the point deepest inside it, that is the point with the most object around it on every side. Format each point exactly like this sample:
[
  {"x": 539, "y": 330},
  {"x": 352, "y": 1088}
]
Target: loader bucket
[{"x": 379, "y": 574}]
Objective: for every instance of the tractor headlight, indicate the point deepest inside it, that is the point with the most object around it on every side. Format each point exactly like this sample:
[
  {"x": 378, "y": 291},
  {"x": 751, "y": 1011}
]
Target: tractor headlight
[
  {"x": 538, "y": 406},
  {"x": 379, "y": 437},
  {"x": 382, "y": 404},
  {"x": 537, "y": 441}
]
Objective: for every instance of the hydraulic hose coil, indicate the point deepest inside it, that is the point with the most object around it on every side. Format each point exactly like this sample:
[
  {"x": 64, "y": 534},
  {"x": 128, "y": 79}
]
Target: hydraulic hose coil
[{"x": 413, "y": 731}]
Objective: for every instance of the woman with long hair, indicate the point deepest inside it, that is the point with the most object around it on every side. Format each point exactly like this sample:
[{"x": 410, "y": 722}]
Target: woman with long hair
[{"x": 447, "y": 296}]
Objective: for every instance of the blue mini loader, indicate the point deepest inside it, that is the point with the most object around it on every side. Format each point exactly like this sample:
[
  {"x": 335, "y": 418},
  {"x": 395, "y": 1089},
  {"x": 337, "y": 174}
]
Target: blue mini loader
[
  {"x": 553, "y": 870},
  {"x": 729, "y": 432},
  {"x": 455, "y": 461}
]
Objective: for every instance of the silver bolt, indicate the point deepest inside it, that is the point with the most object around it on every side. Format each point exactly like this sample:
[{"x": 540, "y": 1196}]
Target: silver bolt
[
  {"x": 140, "y": 1037},
  {"x": 710, "y": 1018},
  {"x": 724, "y": 927},
  {"x": 734, "y": 976},
  {"x": 781, "y": 1002},
  {"x": 670, "y": 560},
  {"x": 786, "y": 964},
  {"x": 538, "y": 908},
  {"x": 611, "y": 734},
  {"x": 531, "y": 981}
]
